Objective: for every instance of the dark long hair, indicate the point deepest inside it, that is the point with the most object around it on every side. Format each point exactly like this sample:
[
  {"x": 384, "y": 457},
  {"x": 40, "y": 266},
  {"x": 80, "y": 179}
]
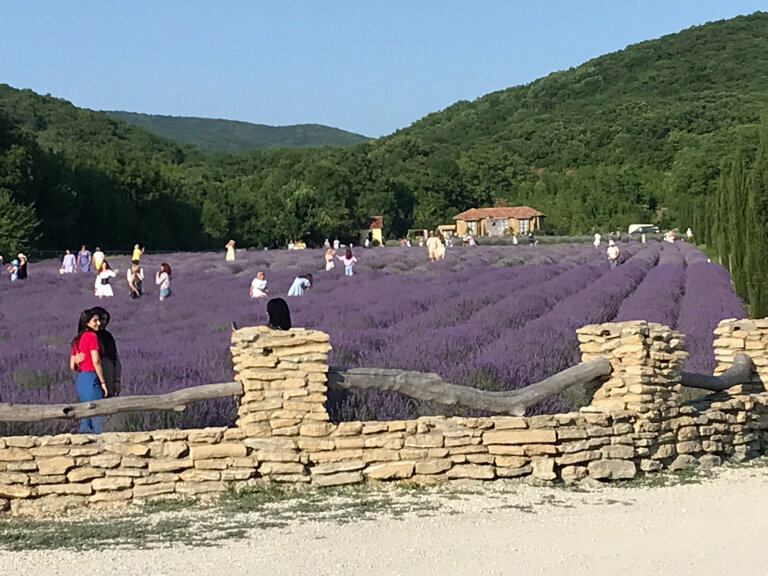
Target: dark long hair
[
  {"x": 82, "y": 324},
  {"x": 279, "y": 314}
]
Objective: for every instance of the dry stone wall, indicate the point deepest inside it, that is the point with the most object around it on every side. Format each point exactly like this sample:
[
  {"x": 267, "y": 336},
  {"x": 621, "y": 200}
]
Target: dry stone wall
[{"x": 635, "y": 422}]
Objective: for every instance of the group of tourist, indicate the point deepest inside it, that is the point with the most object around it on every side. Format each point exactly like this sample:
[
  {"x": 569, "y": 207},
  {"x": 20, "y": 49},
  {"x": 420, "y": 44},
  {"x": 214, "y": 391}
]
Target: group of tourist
[
  {"x": 86, "y": 261},
  {"x": 17, "y": 269}
]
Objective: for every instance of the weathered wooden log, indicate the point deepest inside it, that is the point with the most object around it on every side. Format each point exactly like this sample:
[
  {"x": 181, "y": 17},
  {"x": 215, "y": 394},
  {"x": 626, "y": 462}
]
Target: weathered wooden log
[
  {"x": 430, "y": 387},
  {"x": 177, "y": 401},
  {"x": 740, "y": 373}
]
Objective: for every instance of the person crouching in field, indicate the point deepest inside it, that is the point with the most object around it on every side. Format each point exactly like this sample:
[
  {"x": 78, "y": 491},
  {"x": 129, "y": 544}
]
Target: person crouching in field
[
  {"x": 300, "y": 283},
  {"x": 613, "y": 254},
  {"x": 163, "y": 279},
  {"x": 85, "y": 359},
  {"x": 258, "y": 287}
]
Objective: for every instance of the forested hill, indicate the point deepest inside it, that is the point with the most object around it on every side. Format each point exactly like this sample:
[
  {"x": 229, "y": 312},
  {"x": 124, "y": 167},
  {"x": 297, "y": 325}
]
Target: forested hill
[
  {"x": 216, "y": 135},
  {"x": 656, "y": 132}
]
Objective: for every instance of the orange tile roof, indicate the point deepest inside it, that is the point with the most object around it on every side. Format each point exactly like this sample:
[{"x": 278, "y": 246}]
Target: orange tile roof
[
  {"x": 375, "y": 223},
  {"x": 519, "y": 212}
]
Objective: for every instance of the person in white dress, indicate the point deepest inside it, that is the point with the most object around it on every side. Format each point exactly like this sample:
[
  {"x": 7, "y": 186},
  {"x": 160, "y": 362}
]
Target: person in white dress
[
  {"x": 68, "y": 263},
  {"x": 230, "y": 246},
  {"x": 300, "y": 283},
  {"x": 259, "y": 286},
  {"x": 596, "y": 241},
  {"x": 102, "y": 288}
]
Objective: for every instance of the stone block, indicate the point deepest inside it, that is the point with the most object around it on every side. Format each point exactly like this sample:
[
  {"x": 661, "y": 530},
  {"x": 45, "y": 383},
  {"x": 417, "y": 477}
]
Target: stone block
[
  {"x": 316, "y": 430},
  {"x": 151, "y": 490},
  {"x": 349, "y": 429},
  {"x": 709, "y": 461},
  {"x": 84, "y": 474},
  {"x": 14, "y": 455},
  {"x": 15, "y": 491},
  {"x": 519, "y": 437},
  {"x": 224, "y": 450},
  {"x": 543, "y": 468},
  {"x": 390, "y": 441},
  {"x": 170, "y": 465},
  {"x": 433, "y": 466},
  {"x": 503, "y": 472},
  {"x": 112, "y": 483},
  {"x": 277, "y": 468},
  {"x": 380, "y": 455},
  {"x": 213, "y": 464},
  {"x": 345, "y": 442},
  {"x": 198, "y": 475},
  {"x": 68, "y": 489},
  {"x": 573, "y": 474},
  {"x": 474, "y": 471},
  {"x": 618, "y": 452},
  {"x": 20, "y": 441},
  {"x": 58, "y": 465},
  {"x": 579, "y": 457},
  {"x": 683, "y": 462},
  {"x": 432, "y": 440},
  {"x": 390, "y": 470},
  {"x": 196, "y": 488},
  {"x": 49, "y": 451},
  {"x": 335, "y": 467},
  {"x": 612, "y": 469},
  {"x": 126, "y": 449},
  {"x": 337, "y": 479},
  {"x": 237, "y": 474}
]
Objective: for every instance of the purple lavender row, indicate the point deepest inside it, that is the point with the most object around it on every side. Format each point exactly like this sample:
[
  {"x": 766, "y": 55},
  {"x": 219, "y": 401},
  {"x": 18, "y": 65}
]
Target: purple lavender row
[
  {"x": 708, "y": 298},
  {"x": 657, "y": 298}
]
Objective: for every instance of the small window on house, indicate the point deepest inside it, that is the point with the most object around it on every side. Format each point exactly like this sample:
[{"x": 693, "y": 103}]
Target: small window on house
[
  {"x": 523, "y": 226},
  {"x": 471, "y": 227}
]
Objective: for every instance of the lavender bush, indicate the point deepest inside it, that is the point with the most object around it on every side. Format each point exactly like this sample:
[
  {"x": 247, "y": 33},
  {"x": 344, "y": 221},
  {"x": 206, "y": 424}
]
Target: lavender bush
[{"x": 497, "y": 317}]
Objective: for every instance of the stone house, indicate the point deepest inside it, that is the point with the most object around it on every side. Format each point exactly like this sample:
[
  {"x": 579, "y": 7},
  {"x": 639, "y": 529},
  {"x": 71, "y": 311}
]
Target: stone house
[{"x": 498, "y": 221}]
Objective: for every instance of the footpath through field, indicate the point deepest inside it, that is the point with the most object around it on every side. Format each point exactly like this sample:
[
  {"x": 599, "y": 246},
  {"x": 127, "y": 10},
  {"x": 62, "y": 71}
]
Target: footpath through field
[{"x": 709, "y": 527}]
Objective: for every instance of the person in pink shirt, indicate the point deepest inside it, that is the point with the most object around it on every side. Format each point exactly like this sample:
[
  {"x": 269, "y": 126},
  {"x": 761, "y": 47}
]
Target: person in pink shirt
[
  {"x": 85, "y": 359},
  {"x": 349, "y": 262}
]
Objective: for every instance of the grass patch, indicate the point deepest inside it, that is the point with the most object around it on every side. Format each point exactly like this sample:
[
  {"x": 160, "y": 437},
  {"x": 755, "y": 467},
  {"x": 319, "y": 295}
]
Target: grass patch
[{"x": 31, "y": 379}]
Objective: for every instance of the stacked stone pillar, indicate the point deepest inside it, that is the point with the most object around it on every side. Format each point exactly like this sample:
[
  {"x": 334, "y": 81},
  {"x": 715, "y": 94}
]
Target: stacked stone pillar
[
  {"x": 284, "y": 376},
  {"x": 749, "y": 337},
  {"x": 645, "y": 358}
]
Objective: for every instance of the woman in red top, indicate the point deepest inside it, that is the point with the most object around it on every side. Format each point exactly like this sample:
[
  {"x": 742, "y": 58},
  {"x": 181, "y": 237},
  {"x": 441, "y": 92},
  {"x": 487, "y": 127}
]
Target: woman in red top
[{"x": 85, "y": 357}]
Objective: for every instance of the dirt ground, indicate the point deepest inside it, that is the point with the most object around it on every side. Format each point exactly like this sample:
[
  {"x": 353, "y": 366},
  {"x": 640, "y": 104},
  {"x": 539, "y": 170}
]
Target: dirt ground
[{"x": 714, "y": 525}]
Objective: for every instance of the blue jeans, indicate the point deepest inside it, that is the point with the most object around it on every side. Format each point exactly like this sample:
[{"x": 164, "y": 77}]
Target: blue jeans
[
  {"x": 348, "y": 270},
  {"x": 88, "y": 389},
  {"x": 164, "y": 293}
]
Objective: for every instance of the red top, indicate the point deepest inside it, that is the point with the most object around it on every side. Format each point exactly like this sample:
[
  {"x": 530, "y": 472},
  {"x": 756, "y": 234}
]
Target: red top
[{"x": 88, "y": 341}]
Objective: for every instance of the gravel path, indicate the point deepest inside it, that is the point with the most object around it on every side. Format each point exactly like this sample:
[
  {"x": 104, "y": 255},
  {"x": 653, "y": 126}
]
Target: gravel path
[{"x": 712, "y": 527}]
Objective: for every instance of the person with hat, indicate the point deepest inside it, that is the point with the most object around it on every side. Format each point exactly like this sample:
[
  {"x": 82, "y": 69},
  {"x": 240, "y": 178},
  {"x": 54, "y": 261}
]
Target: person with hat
[
  {"x": 22, "y": 266},
  {"x": 13, "y": 270}
]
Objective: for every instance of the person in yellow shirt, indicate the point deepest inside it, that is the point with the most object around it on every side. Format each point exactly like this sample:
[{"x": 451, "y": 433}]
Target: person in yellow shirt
[{"x": 137, "y": 252}]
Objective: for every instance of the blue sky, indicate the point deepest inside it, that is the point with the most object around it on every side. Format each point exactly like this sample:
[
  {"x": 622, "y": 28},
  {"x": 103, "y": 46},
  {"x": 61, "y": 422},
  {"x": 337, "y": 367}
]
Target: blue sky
[{"x": 366, "y": 66}]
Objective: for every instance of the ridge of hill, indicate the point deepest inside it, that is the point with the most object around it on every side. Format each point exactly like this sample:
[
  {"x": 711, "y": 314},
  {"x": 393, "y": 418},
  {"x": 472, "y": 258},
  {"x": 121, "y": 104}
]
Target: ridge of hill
[{"x": 219, "y": 135}]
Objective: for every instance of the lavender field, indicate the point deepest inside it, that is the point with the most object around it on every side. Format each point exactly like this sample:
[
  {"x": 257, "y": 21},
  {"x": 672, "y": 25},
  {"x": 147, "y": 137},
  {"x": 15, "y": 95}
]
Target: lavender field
[{"x": 495, "y": 317}]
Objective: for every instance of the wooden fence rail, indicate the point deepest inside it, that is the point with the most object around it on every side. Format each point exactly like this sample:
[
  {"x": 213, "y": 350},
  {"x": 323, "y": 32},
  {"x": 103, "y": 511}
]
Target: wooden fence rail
[
  {"x": 177, "y": 401},
  {"x": 420, "y": 385}
]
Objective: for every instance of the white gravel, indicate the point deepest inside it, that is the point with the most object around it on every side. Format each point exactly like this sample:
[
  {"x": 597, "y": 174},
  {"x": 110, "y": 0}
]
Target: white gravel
[{"x": 715, "y": 527}]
